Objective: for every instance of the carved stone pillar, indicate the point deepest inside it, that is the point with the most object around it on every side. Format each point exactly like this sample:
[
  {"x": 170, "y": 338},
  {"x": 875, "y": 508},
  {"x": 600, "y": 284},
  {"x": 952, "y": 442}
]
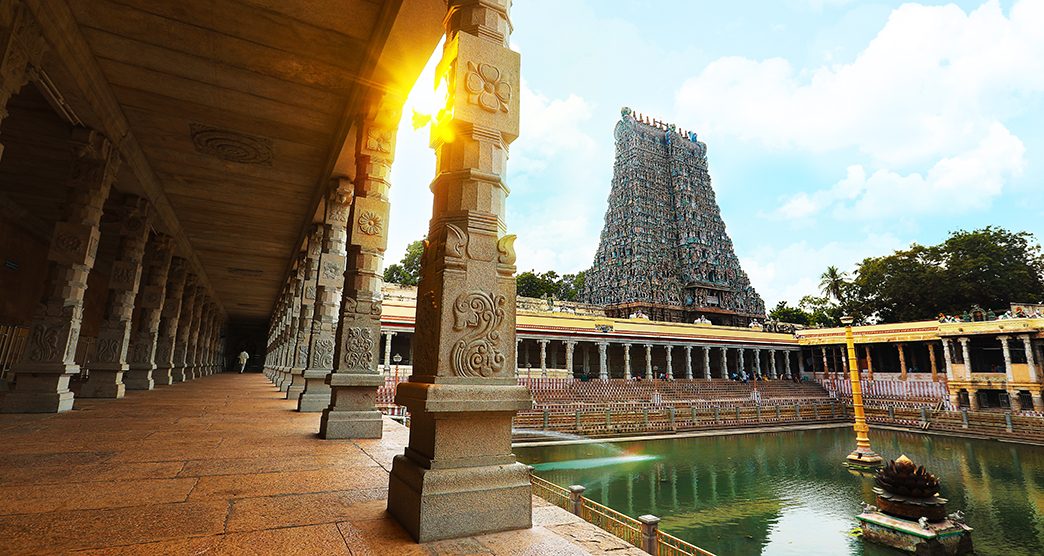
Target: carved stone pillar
[
  {"x": 296, "y": 385},
  {"x": 106, "y": 371},
  {"x": 543, "y": 357},
  {"x": 772, "y": 364},
  {"x": 277, "y": 338},
  {"x": 688, "y": 362},
  {"x": 756, "y": 363},
  {"x": 948, "y": 360},
  {"x": 902, "y": 361},
  {"x": 603, "y": 364},
  {"x": 786, "y": 365},
  {"x": 826, "y": 367},
  {"x": 669, "y": 371},
  {"x": 1006, "y": 351},
  {"x": 181, "y": 344},
  {"x": 706, "y": 362},
  {"x": 354, "y": 382},
  {"x": 569, "y": 345},
  {"x": 458, "y": 476},
  {"x": 284, "y": 377},
  {"x": 48, "y": 360},
  {"x": 22, "y": 46},
  {"x": 966, "y": 352},
  {"x": 168, "y": 322},
  {"x": 329, "y": 285},
  {"x": 207, "y": 339},
  {"x": 934, "y": 364},
  {"x": 145, "y": 326},
  {"x": 387, "y": 351},
  {"x": 192, "y": 352},
  {"x": 627, "y": 361},
  {"x": 740, "y": 367},
  {"x": 1031, "y": 361},
  {"x": 724, "y": 362},
  {"x": 307, "y": 314},
  {"x": 869, "y": 363},
  {"x": 648, "y": 362}
]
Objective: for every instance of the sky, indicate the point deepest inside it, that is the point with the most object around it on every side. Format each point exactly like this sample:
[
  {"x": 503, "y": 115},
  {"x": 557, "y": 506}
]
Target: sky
[{"x": 836, "y": 130}]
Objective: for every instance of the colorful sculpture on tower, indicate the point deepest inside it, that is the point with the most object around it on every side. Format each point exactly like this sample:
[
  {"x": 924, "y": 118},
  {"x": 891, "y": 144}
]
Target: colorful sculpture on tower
[{"x": 664, "y": 252}]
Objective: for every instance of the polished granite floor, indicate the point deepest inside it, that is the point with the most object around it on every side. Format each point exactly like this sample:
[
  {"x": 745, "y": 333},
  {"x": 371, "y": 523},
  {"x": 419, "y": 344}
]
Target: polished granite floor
[{"x": 222, "y": 465}]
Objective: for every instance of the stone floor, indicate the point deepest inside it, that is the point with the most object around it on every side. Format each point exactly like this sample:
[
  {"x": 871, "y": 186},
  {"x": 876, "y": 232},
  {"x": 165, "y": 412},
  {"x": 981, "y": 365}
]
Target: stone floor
[{"x": 222, "y": 465}]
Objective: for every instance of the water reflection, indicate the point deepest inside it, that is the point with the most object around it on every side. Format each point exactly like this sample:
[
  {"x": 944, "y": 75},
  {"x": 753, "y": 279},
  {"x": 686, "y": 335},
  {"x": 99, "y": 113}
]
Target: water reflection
[{"x": 786, "y": 493}]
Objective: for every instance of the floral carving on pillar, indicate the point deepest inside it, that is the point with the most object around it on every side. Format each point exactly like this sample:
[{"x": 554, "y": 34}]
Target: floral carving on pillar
[
  {"x": 487, "y": 88},
  {"x": 370, "y": 223}
]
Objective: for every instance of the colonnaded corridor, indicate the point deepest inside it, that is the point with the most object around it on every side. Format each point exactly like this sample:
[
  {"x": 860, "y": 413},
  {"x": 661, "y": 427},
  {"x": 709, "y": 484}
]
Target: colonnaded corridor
[{"x": 223, "y": 465}]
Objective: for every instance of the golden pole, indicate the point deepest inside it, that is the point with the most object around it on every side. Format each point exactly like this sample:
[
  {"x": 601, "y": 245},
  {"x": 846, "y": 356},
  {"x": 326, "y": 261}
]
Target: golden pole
[{"x": 863, "y": 456}]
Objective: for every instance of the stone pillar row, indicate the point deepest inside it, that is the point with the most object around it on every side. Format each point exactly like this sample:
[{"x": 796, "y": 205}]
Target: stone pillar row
[
  {"x": 159, "y": 326},
  {"x": 140, "y": 331},
  {"x": 761, "y": 363}
]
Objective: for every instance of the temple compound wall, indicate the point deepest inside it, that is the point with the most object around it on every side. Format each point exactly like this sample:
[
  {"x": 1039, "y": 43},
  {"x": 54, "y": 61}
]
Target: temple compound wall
[{"x": 664, "y": 251}]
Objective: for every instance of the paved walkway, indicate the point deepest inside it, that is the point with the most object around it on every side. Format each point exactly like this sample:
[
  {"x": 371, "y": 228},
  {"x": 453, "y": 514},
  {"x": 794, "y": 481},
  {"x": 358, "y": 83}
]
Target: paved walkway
[{"x": 222, "y": 465}]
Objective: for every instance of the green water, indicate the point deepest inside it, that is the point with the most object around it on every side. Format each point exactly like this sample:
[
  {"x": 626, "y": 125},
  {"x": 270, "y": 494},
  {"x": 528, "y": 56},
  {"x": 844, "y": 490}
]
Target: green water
[{"x": 787, "y": 493}]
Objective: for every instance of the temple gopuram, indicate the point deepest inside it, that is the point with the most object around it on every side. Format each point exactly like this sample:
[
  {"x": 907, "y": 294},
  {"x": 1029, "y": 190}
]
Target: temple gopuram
[{"x": 664, "y": 252}]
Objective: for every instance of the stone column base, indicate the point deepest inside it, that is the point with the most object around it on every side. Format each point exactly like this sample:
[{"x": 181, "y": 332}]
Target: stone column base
[
  {"x": 458, "y": 476},
  {"x": 283, "y": 382},
  {"x": 297, "y": 384},
  {"x": 352, "y": 413},
  {"x": 39, "y": 393},
  {"x": 104, "y": 383},
  {"x": 178, "y": 374},
  {"x": 139, "y": 379},
  {"x": 316, "y": 395},
  {"x": 162, "y": 376}
]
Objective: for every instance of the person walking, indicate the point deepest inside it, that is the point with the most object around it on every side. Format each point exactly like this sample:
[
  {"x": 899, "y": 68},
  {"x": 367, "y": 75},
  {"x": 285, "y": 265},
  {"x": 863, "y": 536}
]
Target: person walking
[{"x": 243, "y": 358}]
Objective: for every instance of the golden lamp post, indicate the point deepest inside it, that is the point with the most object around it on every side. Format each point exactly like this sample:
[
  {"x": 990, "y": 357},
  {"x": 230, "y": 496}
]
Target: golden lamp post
[{"x": 863, "y": 457}]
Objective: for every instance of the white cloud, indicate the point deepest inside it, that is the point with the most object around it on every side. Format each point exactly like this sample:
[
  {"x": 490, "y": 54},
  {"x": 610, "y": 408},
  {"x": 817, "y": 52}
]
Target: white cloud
[
  {"x": 933, "y": 80},
  {"x": 967, "y": 181},
  {"x": 790, "y": 273},
  {"x": 922, "y": 106},
  {"x": 555, "y": 174}
]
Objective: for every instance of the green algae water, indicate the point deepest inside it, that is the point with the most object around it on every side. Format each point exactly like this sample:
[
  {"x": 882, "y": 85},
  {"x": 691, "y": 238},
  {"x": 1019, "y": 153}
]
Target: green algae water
[{"x": 787, "y": 493}]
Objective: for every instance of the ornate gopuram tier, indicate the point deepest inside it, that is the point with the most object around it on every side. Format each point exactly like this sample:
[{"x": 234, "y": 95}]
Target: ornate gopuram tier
[
  {"x": 48, "y": 362},
  {"x": 664, "y": 250},
  {"x": 458, "y": 476}
]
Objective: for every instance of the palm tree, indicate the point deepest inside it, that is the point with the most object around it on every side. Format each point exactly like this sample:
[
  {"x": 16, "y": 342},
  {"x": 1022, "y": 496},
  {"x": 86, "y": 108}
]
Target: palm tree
[{"x": 832, "y": 283}]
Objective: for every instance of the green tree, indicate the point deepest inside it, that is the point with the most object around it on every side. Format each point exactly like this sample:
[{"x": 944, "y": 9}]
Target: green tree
[
  {"x": 549, "y": 284},
  {"x": 991, "y": 267},
  {"x": 530, "y": 284},
  {"x": 407, "y": 271},
  {"x": 821, "y": 311},
  {"x": 794, "y": 315},
  {"x": 571, "y": 285},
  {"x": 833, "y": 283}
]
